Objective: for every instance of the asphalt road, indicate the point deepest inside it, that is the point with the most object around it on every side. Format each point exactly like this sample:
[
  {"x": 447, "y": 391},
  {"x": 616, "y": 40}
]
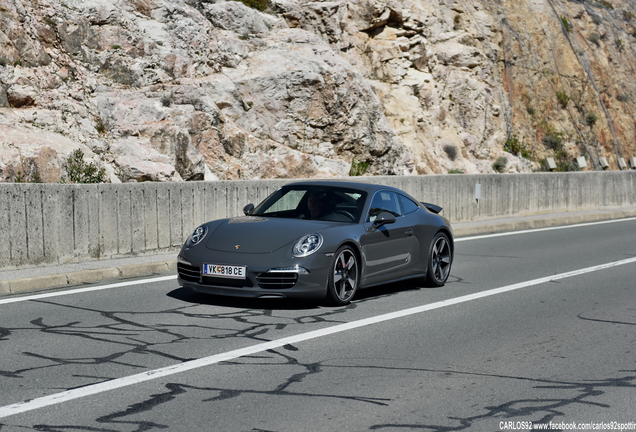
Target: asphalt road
[{"x": 532, "y": 328}]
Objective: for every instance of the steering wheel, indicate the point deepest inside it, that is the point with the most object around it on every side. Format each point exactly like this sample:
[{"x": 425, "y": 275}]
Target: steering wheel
[{"x": 346, "y": 214}]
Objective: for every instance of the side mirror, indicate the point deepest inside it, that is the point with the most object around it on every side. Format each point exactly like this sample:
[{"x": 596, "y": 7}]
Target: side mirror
[
  {"x": 248, "y": 209},
  {"x": 383, "y": 218}
]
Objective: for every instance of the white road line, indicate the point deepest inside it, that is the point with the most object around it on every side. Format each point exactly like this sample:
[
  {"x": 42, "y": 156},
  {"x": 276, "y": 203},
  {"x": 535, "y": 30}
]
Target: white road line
[
  {"x": 58, "y": 398},
  {"x": 82, "y": 290},
  {"x": 536, "y": 230}
]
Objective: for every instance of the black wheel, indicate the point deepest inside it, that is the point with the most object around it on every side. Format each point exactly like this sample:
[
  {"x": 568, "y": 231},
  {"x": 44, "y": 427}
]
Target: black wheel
[
  {"x": 343, "y": 276},
  {"x": 439, "y": 261}
]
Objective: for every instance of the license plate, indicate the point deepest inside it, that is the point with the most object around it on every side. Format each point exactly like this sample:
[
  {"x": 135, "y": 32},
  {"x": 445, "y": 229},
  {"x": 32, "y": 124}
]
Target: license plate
[{"x": 227, "y": 271}]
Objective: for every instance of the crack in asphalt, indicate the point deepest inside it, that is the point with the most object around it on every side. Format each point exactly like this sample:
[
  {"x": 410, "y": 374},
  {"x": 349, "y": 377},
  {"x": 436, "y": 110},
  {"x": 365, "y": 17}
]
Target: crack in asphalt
[
  {"x": 132, "y": 336},
  {"x": 526, "y": 409},
  {"x": 133, "y": 332},
  {"x": 541, "y": 410}
]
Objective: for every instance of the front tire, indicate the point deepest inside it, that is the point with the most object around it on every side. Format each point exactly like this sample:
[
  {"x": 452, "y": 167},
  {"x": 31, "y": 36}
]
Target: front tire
[
  {"x": 440, "y": 258},
  {"x": 344, "y": 275}
]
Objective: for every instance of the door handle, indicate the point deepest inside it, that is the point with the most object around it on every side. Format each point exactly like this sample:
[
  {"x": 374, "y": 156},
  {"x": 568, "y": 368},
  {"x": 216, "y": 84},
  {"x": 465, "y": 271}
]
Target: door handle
[{"x": 409, "y": 232}]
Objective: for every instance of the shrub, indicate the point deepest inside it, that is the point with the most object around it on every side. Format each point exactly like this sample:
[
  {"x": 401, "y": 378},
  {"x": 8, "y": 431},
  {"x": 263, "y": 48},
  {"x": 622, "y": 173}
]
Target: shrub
[
  {"x": 595, "y": 39},
  {"x": 260, "y": 5},
  {"x": 628, "y": 15},
  {"x": 451, "y": 151},
  {"x": 567, "y": 25},
  {"x": 619, "y": 44},
  {"x": 99, "y": 126},
  {"x": 515, "y": 147},
  {"x": 358, "y": 168},
  {"x": 167, "y": 99},
  {"x": 79, "y": 171},
  {"x": 500, "y": 164},
  {"x": 553, "y": 139},
  {"x": 18, "y": 177},
  {"x": 456, "y": 22},
  {"x": 590, "y": 119},
  {"x": 624, "y": 97},
  {"x": 563, "y": 98}
]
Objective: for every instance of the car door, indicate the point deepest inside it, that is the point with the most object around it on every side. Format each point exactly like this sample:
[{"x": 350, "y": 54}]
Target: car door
[{"x": 388, "y": 248}]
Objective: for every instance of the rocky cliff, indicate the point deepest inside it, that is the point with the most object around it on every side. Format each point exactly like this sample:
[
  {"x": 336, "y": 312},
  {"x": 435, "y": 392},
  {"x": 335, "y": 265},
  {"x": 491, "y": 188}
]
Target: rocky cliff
[{"x": 156, "y": 90}]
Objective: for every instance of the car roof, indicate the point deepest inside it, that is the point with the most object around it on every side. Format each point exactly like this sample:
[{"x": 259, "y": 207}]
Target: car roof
[{"x": 368, "y": 187}]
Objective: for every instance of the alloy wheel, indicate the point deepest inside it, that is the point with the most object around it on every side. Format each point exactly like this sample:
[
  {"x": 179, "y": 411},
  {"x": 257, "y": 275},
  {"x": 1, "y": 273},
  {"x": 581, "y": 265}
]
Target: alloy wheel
[{"x": 344, "y": 277}]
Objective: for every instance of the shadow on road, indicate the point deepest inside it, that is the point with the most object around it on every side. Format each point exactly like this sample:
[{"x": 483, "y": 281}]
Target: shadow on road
[{"x": 190, "y": 296}]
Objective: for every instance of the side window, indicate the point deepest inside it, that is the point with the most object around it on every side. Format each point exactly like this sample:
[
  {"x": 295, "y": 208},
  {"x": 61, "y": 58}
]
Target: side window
[
  {"x": 384, "y": 201},
  {"x": 406, "y": 204}
]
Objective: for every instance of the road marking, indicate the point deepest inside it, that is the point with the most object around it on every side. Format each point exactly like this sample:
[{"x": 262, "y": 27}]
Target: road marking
[
  {"x": 535, "y": 230},
  {"x": 89, "y": 390},
  {"x": 83, "y": 290}
]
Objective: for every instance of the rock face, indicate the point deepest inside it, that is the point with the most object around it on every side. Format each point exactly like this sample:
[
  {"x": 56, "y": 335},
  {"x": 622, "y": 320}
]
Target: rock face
[{"x": 158, "y": 90}]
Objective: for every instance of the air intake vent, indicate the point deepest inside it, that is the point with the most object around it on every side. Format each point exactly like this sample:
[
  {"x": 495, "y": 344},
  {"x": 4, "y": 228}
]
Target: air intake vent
[
  {"x": 188, "y": 273},
  {"x": 277, "y": 280}
]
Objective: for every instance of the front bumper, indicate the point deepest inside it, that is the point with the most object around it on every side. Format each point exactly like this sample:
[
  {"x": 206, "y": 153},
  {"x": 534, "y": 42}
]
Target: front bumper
[{"x": 266, "y": 276}]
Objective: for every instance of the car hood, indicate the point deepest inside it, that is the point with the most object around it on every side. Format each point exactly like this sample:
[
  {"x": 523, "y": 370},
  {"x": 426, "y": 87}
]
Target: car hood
[{"x": 253, "y": 234}]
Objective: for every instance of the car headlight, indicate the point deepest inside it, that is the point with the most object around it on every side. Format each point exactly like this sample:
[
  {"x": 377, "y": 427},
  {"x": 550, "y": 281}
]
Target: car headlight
[
  {"x": 307, "y": 245},
  {"x": 198, "y": 235}
]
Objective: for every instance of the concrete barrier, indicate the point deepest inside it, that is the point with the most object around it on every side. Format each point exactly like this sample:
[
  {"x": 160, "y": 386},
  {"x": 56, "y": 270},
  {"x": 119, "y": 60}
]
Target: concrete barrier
[{"x": 55, "y": 223}]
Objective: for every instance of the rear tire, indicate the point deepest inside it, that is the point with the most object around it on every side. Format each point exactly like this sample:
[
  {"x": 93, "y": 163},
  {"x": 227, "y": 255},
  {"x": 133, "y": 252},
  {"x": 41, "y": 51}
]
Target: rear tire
[
  {"x": 344, "y": 275},
  {"x": 440, "y": 258}
]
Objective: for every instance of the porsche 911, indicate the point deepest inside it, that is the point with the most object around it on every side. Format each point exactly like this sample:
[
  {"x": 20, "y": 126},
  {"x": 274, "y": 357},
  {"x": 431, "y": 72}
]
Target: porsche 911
[{"x": 319, "y": 240}]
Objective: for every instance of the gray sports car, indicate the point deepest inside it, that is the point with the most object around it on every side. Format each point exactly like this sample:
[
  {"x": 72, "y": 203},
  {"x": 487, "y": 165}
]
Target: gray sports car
[{"x": 313, "y": 239}]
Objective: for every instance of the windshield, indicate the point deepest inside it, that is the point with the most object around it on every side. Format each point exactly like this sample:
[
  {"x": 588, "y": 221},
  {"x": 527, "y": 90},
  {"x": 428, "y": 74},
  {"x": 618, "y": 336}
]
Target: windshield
[{"x": 314, "y": 202}]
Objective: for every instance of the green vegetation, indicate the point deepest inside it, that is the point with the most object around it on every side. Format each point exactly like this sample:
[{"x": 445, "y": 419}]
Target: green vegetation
[
  {"x": 50, "y": 21},
  {"x": 79, "y": 171},
  {"x": 260, "y": 5},
  {"x": 456, "y": 22},
  {"x": 595, "y": 39},
  {"x": 563, "y": 98},
  {"x": 358, "y": 168},
  {"x": 567, "y": 25},
  {"x": 624, "y": 97},
  {"x": 33, "y": 177},
  {"x": 619, "y": 44},
  {"x": 500, "y": 164},
  {"x": 18, "y": 177},
  {"x": 516, "y": 147},
  {"x": 167, "y": 99},
  {"x": 553, "y": 140},
  {"x": 455, "y": 171},
  {"x": 628, "y": 15},
  {"x": 590, "y": 119},
  {"x": 451, "y": 151},
  {"x": 606, "y": 4},
  {"x": 99, "y": 126}
]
